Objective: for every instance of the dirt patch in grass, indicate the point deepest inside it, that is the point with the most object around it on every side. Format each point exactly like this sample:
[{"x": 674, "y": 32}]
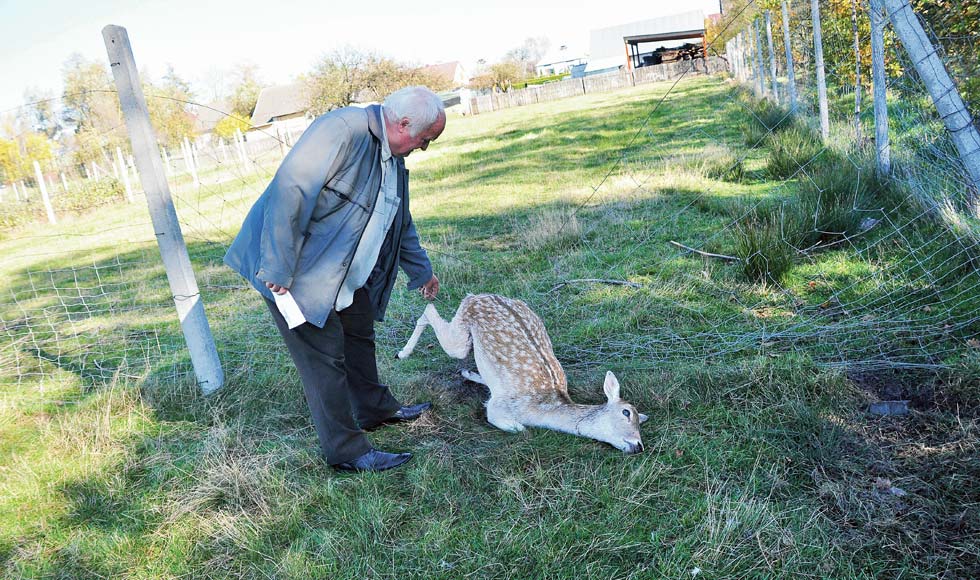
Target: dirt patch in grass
[{"x": 924, "y": 389}]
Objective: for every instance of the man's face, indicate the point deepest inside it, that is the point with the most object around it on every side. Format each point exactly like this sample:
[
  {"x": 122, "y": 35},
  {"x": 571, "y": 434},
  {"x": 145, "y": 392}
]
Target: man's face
[{"x": 404, "y": 143}]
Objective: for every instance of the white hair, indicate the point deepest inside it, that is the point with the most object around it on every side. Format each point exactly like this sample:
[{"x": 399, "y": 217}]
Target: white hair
[{"x": 417, "y": 104}]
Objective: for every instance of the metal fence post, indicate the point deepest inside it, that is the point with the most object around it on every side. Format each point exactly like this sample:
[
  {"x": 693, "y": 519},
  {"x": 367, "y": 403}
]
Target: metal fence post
[{"x": 180, "y": 274}]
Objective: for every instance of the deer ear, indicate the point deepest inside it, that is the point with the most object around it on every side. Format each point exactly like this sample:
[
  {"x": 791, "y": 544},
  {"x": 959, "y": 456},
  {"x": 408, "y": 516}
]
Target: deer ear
[
  {"x": 611, "y": 387},
  {"x": 643, "y": 418}
]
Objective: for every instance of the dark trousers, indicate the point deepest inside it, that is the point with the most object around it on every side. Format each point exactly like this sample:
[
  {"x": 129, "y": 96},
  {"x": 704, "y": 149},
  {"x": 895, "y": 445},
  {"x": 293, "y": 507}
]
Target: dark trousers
[{"x": 340, "y": 377}]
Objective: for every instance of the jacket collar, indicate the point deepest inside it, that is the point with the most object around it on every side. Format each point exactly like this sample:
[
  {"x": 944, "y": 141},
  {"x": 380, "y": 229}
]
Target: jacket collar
[{"x": 374, "y": 122}]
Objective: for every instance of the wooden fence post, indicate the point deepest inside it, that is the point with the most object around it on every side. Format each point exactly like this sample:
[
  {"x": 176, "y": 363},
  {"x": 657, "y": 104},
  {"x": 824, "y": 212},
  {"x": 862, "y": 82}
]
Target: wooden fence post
[
  {"x": 180, "y": 274},
  {"x": 882, "y": 147},
  {"x": 790, "y": 76},
  {"x": 952, "y": 110}
]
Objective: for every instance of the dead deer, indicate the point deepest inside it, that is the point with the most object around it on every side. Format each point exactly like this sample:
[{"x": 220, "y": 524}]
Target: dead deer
[{"x": 514, "y": 358}]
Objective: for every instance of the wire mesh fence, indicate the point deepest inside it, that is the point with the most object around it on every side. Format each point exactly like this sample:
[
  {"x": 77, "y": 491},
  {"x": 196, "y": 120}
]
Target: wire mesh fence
[{"x": 86, "y": 299}]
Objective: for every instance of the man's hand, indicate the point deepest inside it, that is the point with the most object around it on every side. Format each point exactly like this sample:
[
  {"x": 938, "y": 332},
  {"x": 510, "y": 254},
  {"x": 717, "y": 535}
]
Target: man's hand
[
  {"x": 430, "y": 289},
  {"x": 280, "y": 290}
]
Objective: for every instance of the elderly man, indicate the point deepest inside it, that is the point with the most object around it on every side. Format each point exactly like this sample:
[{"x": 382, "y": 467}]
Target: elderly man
[{"x": 327, "y": 236}]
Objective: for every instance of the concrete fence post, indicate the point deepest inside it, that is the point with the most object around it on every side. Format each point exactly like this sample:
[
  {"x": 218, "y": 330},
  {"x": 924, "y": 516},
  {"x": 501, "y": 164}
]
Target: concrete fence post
[
  {"x": 180, "y": 274},
  {"x": 857, "y": 72},
  {"x": 772, "y": 57},
  {"x": 44, "y": 193},
  {"x": 125, "y": 174},
  {"x": 882, "y": 146},
  {"x": 935, "y": 77},
  {"x": 189, "y": 162},
  {"x": 821, "y": 73},
  {"x": 760, "y": 77},
  {"x": 790, "y": 73}
]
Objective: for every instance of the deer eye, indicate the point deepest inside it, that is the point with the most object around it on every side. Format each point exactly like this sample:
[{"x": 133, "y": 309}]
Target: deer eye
[{"x": 626, "y": 412}]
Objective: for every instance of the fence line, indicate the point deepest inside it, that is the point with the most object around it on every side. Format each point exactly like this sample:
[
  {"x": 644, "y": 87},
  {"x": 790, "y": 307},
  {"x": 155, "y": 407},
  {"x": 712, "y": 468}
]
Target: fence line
[{"x": 595, "y": 84}]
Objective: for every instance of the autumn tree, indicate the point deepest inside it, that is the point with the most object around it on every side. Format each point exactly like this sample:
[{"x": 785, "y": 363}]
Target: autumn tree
[
  {"x": 347, "y": 75},
  {"x": 168, "y": 103},
  {"x": 499, "y": 76},
  {"x": 336, "y": 79},
  {"x": 11, "y": 161},
  {"x": 228, "y": 125},
  {"x": 245, "y": 90},
  {"x": 90, "y": 107},
  {"x": 528, "y": 54},
  {"x": 39, "y": 113}
]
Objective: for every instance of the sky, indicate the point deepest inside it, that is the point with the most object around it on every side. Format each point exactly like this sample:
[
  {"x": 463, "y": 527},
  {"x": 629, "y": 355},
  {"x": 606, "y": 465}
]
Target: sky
[{"x": 204, "y": 39}]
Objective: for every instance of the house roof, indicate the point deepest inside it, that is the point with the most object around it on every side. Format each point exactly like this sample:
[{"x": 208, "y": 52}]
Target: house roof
[
  {"x": 558, "y": 56},
  {"x": 209, "y": 115},
  {"x": 446, "y": 70},
  {"x": 280, "y": 101},
  {"x": 609, "y": 42}
]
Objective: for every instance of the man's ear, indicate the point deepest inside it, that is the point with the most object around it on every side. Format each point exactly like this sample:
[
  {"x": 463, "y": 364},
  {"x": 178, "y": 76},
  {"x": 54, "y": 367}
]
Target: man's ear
[{"x": 404, "y": 123}]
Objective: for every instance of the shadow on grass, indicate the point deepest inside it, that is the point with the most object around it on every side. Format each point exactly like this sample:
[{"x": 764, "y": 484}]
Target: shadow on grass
[{"x": 759, "y": 461}]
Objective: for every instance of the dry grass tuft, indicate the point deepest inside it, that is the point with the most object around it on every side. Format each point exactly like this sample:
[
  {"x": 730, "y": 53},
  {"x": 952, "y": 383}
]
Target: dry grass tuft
[{"x": 551, "y": 229}]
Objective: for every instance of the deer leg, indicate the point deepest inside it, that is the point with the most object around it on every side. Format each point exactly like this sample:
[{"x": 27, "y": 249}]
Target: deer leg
[
  {"x": 453, "y": 337},
  {"x": 473, "y": 376},
  {"x": 500, "y": 417},
  {"x": 420, "y": 325}
]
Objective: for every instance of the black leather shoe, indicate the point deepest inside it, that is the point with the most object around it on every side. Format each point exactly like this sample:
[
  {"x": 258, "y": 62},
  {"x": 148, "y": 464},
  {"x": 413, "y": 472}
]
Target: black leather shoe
[
  {"x": 409, "y": 412},
  {"x": 374, "y": 460},
  {"x": 405, "y": 413}
]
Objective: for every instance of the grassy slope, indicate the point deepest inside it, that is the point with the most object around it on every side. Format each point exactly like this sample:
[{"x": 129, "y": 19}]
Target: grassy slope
[{"x": 759, "y": 463}]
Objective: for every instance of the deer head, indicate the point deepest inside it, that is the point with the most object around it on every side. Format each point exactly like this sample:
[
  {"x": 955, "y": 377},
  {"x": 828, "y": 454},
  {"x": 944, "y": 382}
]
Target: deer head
[{"x": 617, "y": 422}]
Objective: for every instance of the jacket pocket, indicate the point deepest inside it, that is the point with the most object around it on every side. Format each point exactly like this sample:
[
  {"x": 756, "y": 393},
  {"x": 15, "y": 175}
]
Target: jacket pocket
[
  {"x": 314, "y": 245},
  {"x": 333, "y": 197}
]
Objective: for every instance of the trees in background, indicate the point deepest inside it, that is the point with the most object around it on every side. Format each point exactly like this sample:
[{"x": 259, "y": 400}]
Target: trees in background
[
  {"x": 230, "y": 124},
  {"x": 168, "y": 102},
  {"x": 245, "y": 90},
  {"x": 349, "y": 75},
  {"x": 955, "y": 24},
  {"x": 528, "y": 54},
  {"x": 90, "y": 108},
  {"x": 517, "y": 65},
  {"x": 11, "y": 161}
]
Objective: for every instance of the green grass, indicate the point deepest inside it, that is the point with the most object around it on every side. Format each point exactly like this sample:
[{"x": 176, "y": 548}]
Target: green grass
[{"x": 760, "y": 459}]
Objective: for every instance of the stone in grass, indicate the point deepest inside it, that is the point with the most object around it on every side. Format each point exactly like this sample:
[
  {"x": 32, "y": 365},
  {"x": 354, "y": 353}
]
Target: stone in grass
[
  {"x": 889, "y": 408},
  {"x": 884, "y": 486}
]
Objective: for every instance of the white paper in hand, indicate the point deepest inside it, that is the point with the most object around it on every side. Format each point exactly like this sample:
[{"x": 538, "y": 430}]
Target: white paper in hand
[{"x": 289, "y": 309}]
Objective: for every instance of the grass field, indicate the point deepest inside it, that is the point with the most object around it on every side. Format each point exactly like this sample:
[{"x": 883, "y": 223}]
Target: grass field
[{"x": 761, "y": 460}]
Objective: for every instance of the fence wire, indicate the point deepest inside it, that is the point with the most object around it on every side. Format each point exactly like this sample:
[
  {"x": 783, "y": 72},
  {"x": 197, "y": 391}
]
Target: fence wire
[{"x": 86, "y": 299}]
